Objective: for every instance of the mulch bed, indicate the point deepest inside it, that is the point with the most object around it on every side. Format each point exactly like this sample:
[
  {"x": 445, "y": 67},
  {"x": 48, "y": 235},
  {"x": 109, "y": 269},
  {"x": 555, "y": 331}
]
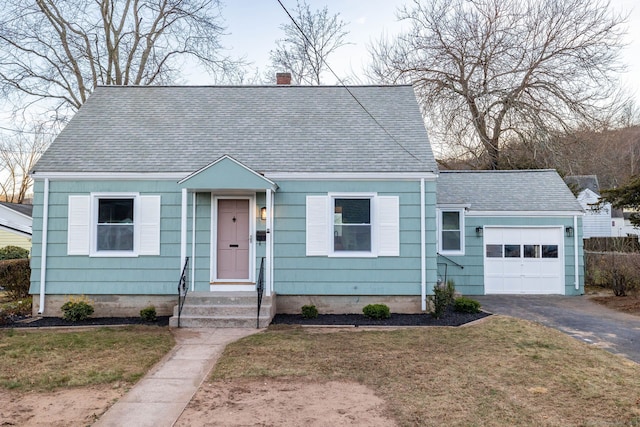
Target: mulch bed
[
  {"x": 450, "y": 318},
  {"x": 41, "y": 322}
]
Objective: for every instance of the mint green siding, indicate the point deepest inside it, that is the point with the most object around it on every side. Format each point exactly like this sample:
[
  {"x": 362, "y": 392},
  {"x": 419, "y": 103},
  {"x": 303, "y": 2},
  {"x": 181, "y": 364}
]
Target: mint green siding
[
  {"x": 80, "y": 274},
  {"x": 470, "y": 279},
  {"x": 294, "y": 272},
  {"x": 298, "y": 274}
]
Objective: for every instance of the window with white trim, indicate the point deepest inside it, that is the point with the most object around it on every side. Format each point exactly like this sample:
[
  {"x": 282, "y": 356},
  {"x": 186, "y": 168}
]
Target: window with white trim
[
  {"x": 113, "y": 224},
  {"x": 353, "y": 225},
  {"x": 451, "y": 226}
]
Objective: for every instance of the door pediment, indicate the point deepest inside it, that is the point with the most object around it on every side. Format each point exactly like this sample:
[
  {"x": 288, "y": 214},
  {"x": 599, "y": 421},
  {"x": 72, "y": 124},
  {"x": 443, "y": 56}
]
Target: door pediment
[{"x": 226, "y": 173}]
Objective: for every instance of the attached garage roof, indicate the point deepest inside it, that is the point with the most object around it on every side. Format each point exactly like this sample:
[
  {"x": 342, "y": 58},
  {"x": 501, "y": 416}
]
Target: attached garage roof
[
  {"x": 266, "y": 128},
  {"x": 519, "y": 190}
]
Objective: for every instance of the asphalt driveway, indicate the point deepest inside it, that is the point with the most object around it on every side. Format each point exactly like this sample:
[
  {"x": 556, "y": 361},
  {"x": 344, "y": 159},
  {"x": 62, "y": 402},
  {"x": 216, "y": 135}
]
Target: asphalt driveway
[{"x": 576, "y": 316}]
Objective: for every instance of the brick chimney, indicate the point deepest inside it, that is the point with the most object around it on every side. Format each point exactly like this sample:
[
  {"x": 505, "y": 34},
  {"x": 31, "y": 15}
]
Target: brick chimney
[{"x": 283, "y": 78}]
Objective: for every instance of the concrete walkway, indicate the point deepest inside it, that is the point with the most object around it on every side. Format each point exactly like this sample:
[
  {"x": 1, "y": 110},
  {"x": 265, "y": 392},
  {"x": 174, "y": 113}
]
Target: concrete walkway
[{"x": 159, "y": 398}]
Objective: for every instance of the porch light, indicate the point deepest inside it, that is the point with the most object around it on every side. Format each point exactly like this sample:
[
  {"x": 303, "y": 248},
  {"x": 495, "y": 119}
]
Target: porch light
[
  {"x": 263, "y": 213},
  {"x": 568, "y": 231},
  {"x": 479, "y": 231}
]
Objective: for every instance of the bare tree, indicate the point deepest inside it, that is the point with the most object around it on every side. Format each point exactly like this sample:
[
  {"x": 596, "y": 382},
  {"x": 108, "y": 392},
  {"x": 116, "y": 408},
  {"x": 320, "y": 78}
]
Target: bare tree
[
  {"x": 18, "y": 154},
  {"x": 306, "y": 46},
  {"x": 60, "y": 50},
  {"x": 490, "y": 71}
]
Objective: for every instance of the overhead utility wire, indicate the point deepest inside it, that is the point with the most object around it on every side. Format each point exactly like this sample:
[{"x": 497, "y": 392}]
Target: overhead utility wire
[{"x": 345, "y": 86}]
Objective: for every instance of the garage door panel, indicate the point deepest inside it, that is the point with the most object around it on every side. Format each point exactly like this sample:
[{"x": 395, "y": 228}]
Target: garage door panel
[{"x": 531, "y": 261}]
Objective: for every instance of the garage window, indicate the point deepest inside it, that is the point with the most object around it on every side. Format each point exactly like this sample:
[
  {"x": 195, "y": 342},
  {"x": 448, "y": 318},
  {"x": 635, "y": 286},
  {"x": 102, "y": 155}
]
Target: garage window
[
  {"x": 532, "y": 251},
  {"x": 494, "y": 251},
  {"x": 549, "y": 251}
]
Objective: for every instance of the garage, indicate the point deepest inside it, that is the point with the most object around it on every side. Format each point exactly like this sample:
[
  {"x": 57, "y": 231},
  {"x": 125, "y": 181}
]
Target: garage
[{"x": 523, "y": 260}]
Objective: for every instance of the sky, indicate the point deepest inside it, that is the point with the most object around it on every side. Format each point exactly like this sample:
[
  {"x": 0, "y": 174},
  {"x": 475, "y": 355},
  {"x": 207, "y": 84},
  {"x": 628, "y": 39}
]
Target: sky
[{"x": 253, "y": 26}]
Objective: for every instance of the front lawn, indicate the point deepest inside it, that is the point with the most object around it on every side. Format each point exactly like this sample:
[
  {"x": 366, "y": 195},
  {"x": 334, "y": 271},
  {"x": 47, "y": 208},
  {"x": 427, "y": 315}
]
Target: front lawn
[{"x": 502, "y": 371}]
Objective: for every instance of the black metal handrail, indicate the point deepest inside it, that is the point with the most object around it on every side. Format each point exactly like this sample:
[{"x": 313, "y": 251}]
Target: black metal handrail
[
  {"x": 446, "y": 265},
  {"x": 183, "y": 288},
  {"x": 260, "y": 289}
]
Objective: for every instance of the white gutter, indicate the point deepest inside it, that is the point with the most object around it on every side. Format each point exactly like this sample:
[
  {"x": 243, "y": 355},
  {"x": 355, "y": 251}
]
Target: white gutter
[
  {"x": 193, "y": 246},
  {"x": 423, "y": 250},
  {"x": 575, "y": 252},
  {"x": 183, "y": 230},
  {"x": 43, "y": 251},
  {"x": 268, "y": 253}
]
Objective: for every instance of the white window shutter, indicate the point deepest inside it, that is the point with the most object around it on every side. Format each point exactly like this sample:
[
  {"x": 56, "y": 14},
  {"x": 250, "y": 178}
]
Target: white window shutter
[
  {"x": 388, "y": 219},
  {"x": 148, "y": 225},
  {"x": 78, "y": 225},
  {"x": 317, "y": 225}
]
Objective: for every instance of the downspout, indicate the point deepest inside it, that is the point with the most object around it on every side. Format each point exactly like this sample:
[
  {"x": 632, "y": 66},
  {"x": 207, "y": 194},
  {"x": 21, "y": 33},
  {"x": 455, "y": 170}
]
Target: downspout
[
  {"x": 193, "y": 245},
  {"x": 183, "y": 230},
  {"x": 268, "y": 243},
  {"x": 575, "y": 252},
  {"x": 423, "y": 250},
  {"x": 43, "y": 251}
]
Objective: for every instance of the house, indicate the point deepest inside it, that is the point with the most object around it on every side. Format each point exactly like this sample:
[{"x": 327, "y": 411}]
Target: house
[
  {"x": 597, "y": 221},
  {"x": 327, "y": 193},
  {"x": 509, "y": 232},
  {"x": 621, "y": 224},
  {"x": 15, "y": 225}
]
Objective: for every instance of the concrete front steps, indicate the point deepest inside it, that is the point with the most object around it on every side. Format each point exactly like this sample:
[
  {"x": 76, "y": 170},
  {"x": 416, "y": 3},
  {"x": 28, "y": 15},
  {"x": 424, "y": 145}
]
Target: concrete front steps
[{"x": 224, "y": 310}]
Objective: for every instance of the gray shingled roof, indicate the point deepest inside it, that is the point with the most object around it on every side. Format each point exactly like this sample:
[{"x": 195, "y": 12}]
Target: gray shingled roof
[
  {"x": 24, "y": 209},
  {"x": 519, "y": 190},
  {"x": 267, "y": 128},
  {"x": 582, "y": 182}
]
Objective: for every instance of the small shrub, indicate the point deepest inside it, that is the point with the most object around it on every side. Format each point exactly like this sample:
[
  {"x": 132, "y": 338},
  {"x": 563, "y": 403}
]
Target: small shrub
[
  {"x": 14, "y": 309},
  {"x": 442, "y": 298},
  {"x": 466, "y": 305},
  {"x": 77, "y": 308},
  {"x": 15, "y": 276},
  {"x": 148, "y": 314},
  {"x": 377, "y": 311},
  {"x": 13, "y": 252},
  {"x": 309, "y": 311}
]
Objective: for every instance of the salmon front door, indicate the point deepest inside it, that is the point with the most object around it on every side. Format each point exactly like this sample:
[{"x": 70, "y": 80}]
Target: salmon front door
[{"x": 233, "y": 240}]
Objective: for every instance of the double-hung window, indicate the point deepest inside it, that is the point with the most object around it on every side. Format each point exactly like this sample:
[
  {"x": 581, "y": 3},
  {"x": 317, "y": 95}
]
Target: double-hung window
[
  {"x": 113, "y": 225},
  {"x": 353, "y": 225},
  {"x": 451, "y": 226}
]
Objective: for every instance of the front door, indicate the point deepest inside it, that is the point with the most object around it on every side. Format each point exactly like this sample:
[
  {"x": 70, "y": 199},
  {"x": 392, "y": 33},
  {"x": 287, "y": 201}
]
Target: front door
[{"x": 233, "y": 240}]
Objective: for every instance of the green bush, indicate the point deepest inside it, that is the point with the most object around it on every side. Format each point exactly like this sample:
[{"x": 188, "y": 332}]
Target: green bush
[
  {"x": 12, "y": 309},
  {"x": 77, "y": 308},
  {"x": 442, "y": 298},
  {"x": 13, "y": 252},
  {"x": 376, "y": 311},
  {"x": 149, "y": 314},
  {"x": 466, "y": 305},
  {"x": 15, "y": 277},
  {"x": 309, "y": 311}
]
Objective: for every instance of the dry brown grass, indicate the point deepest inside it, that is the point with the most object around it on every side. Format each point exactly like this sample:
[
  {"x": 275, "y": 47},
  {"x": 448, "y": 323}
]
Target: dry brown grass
[
  {"x": 49, "y": 360},
  {"x": 502, "y": 371}
]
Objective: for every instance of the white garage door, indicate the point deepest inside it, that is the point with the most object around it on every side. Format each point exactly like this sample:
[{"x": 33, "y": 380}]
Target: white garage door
[{"x": 523, "y": 260}]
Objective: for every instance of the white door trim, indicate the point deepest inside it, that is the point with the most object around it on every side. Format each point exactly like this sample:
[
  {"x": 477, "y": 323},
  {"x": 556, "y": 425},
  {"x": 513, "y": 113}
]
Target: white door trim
[{"x": 250, "y": 281}]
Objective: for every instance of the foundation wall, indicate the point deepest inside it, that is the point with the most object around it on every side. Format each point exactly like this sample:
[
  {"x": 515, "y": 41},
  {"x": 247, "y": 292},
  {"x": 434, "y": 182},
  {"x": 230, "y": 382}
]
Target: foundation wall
[
  {"x": 110, "y": 305},
  {"x": 342, "y": 304}
]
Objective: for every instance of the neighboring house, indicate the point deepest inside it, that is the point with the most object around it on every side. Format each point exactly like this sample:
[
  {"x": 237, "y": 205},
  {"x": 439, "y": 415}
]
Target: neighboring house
[
  {"x": 509, "y": 232},
  {"x": 329, "y": 193},
  {"x": 621, "y": 224},
  {"x": 597, "y": 221},
  {"x": 15, "y": 225}
]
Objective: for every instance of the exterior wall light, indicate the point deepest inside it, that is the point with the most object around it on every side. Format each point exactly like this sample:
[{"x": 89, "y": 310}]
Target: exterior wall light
[
  {"x": 479, "y": 231},
  {"x": 263, "y": 213},
  {"x": 568, "y": 231}
]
